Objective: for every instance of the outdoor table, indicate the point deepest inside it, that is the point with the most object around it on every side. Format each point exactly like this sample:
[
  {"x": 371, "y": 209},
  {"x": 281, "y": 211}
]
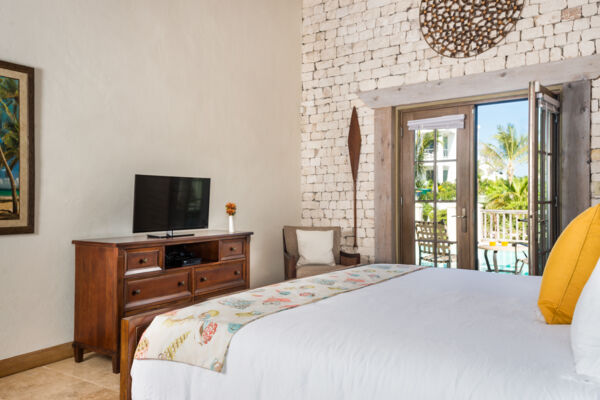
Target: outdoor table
[{"x": 495, "y": 249}]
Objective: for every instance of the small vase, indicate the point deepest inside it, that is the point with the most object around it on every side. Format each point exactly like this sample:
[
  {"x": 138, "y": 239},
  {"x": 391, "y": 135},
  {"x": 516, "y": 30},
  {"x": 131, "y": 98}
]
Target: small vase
[{"x": 231, "y": 227}]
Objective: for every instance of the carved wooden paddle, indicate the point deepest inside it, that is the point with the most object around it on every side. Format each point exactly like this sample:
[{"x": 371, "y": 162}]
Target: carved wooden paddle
[{"x": 354, "y": 142}]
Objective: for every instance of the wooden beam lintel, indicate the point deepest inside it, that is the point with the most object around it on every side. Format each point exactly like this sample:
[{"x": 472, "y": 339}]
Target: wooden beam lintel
[{"x": 487, "y": 83}]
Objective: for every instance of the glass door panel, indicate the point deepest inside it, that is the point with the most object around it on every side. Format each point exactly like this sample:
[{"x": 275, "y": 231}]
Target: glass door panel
[
  {"x": 502, "y": 179},
  {"x": 543, "y": 128}
]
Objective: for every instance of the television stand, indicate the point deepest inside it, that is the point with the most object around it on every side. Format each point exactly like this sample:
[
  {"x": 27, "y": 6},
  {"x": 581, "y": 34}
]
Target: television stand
[
  {"x": 121, "y": 277},
  {"x": 169, "y": 235}
]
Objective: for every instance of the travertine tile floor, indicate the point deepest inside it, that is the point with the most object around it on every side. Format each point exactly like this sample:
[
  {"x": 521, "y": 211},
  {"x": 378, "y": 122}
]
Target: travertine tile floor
[{"x": 92, "y": 379}]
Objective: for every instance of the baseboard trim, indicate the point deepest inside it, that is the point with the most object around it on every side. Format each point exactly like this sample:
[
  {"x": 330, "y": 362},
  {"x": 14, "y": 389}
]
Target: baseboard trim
[{"x": 23, "y": 362}]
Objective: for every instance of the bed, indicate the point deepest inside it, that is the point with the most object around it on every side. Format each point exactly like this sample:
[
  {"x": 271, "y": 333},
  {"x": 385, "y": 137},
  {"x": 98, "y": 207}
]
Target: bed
[{"x": 432, "y": 334}]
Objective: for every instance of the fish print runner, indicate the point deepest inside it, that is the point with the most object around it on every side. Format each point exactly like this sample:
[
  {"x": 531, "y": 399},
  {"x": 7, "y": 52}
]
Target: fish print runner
[{"x": 200, "y": 334}]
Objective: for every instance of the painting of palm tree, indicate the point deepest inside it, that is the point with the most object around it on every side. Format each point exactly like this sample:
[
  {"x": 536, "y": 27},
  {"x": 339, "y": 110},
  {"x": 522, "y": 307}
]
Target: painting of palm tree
[
  {"x": 9, "y": 146},
  {"x": 16, "y": 149}
]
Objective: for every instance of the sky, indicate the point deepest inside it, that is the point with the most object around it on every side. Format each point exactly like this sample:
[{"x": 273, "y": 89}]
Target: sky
[
  {"x": 4, "y": 182},
  {"x": 489, "y": 116}
]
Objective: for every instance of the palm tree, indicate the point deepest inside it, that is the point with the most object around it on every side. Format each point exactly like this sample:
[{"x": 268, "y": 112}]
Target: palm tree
[
  {"x": 505, "y": 195},
  {"x": 510, "y": 150},
  {"x": 9, "y": 133}
]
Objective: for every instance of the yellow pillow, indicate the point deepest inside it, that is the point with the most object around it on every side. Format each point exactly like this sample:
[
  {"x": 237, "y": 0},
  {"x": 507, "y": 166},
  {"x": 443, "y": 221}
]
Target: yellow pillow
[{"x": 569, "y": 266}]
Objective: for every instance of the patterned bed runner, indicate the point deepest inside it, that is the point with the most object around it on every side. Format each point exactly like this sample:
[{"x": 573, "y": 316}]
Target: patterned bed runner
[{"x": 200, "y": 334}]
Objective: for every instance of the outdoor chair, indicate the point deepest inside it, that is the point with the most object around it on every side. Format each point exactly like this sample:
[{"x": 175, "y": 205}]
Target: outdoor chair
[
  {"x": 523, "y": 258},
  {"x": 426, "y": 238}
]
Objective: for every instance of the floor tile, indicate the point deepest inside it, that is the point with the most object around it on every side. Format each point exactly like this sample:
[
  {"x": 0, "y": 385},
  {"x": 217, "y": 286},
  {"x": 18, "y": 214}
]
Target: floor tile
[
  {"x": 93, "y": 379},
  {"x": 95, "y": 368}
]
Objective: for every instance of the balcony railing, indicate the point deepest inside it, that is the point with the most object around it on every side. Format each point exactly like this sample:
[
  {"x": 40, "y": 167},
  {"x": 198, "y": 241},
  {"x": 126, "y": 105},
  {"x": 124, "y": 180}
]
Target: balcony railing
[{"x": 503, "y": 225}]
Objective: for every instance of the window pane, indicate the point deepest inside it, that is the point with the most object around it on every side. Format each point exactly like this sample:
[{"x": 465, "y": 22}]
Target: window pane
[
  {"x": 446, "y": 144},
  {"x": 424, "y": 234},
  {"x": 446, "y": 181},
  {"x": 424, "y": 181},
  {"x": 424, "y": 145}
]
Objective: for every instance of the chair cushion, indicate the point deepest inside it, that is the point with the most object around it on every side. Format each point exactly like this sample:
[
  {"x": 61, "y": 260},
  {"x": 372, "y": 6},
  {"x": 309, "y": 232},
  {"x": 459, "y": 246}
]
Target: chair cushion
[
  {"x": 315, "y": 247},
  {"x": 569, "y": 266},
  {"x": 585, "y": 330},
  {"x": 310, "y": 270},
  {"x": 291, "y": 241}
]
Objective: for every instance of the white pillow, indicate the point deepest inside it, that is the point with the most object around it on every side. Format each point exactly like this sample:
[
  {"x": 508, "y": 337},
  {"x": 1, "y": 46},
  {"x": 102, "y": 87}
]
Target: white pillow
[
  {"x": 585, "y": 328},
  {"x": 315, "y": 247}
]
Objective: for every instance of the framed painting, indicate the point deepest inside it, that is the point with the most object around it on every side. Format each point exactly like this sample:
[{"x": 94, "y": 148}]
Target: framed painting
[{"x": 17, "y": 183}]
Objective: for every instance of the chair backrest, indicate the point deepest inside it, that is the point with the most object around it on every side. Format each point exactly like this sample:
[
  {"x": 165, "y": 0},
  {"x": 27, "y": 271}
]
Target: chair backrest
[
  {"x": 425, "y": 230},
  {"x": 290, "y": 240}
]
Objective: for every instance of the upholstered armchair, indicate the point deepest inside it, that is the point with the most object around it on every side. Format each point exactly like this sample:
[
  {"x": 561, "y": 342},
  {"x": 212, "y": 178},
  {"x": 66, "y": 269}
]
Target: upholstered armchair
[{"x": 290, "y": 253}]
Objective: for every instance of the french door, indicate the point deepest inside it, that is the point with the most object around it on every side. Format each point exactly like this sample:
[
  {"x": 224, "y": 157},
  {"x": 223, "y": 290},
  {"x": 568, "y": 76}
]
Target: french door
[
  {"x": 436, "y": 188},
  {"x": 436, "y": 191},
  {"x": 544, "y": 109}
]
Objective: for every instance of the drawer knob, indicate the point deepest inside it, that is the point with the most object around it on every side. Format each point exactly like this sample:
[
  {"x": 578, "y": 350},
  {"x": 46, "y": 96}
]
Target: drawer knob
[
  {"x": 143, "y": 260},
  {"x": 136, "y": 291},
  {"x": 232, "y": 249},
  {"x": 202, "y": 279},
  {"x": 236, "y": 272},
  {"x": 181, "y": 283}
]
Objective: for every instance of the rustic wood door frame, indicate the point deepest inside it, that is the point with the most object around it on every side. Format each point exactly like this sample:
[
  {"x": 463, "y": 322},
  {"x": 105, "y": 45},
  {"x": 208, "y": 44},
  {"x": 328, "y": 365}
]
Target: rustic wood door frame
[
  {"x": 385, "y": 185},
  {"x": 574, "y": 153},
  {"x": 387, "y": 166}
]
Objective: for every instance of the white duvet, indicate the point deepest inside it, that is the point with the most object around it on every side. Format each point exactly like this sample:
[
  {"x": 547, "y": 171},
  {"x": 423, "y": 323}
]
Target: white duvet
[{"x": 432, "y": 334}]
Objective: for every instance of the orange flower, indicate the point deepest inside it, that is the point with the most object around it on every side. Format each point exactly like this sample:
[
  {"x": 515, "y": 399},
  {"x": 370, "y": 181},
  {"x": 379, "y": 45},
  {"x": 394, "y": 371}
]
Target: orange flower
[{"x": 230, "y": 208}]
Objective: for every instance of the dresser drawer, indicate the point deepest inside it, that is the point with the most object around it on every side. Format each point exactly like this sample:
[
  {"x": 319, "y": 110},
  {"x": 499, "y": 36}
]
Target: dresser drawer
[
  {"x": 233, "y": 248},
  {"x": 157, "y": 289},
  {"x": 208, "y": 279},
  {"x": 143, "y": 258}
]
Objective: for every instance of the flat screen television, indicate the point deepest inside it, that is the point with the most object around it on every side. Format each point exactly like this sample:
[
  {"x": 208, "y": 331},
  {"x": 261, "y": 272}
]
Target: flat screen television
[{"x": 169, "y": 203}]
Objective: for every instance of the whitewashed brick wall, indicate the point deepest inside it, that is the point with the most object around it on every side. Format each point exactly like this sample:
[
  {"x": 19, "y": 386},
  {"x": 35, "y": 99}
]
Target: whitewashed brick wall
[{"x": 356, "y": 45}]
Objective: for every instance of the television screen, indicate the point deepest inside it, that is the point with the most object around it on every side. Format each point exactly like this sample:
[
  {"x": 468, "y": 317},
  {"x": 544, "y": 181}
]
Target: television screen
[{"x": 163, "y": 203}]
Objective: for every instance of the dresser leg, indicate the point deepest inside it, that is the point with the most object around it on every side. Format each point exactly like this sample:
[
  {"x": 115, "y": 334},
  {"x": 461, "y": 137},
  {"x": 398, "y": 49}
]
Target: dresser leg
[
  {"x": 115, "y": 364},
  {"x": 77, "y": 353}
]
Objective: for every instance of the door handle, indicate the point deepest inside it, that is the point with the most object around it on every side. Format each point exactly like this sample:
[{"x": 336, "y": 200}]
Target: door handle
[
  {"x": 526, "y": 219},
  {"x": 464, "y": 214}
]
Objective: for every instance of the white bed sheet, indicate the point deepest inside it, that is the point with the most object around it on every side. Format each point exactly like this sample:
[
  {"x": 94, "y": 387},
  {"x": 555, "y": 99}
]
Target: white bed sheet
[{"x": 433, "y": 334}]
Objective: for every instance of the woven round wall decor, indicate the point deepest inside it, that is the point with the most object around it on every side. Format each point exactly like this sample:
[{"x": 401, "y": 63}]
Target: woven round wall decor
[{"x": 463, "y": 28}]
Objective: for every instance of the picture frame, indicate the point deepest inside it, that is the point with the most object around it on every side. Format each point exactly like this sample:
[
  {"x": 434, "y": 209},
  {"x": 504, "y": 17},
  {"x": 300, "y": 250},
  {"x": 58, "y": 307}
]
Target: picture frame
[{"x": 17, "y": 156}]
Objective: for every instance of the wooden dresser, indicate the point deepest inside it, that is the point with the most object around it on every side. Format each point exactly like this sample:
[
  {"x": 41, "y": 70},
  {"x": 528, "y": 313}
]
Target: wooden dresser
[{"x": 120, "y": 277}]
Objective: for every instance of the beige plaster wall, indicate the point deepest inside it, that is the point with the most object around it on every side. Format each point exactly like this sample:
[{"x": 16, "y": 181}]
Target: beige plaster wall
[{"x": 189, "y": 88}]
